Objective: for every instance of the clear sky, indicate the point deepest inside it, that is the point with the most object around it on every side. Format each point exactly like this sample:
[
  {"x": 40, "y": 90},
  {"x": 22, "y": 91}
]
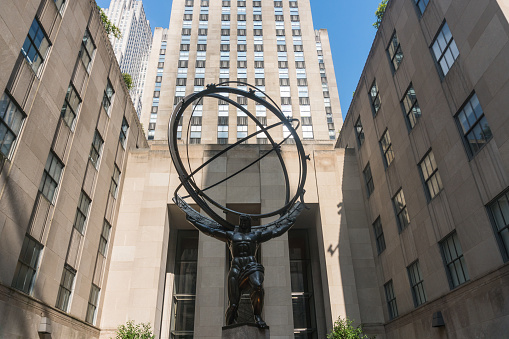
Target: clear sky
[{"x": 349, "y": 23}]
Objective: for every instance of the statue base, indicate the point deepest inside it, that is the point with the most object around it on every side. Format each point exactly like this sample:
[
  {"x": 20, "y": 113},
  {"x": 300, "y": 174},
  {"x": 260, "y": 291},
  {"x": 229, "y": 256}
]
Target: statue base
[{"x": 245, "y": 331}]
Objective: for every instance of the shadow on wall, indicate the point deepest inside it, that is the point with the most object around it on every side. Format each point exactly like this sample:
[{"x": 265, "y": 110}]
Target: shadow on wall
[
  {"x": 332, "y": 250},
  {"x": 16, "y": 320}
]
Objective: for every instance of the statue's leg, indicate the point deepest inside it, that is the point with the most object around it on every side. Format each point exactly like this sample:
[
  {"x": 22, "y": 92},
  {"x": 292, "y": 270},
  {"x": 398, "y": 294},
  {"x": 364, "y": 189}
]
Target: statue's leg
[
  {"x": 257, "y": 296},
  {"x": 233, "y": 297}
]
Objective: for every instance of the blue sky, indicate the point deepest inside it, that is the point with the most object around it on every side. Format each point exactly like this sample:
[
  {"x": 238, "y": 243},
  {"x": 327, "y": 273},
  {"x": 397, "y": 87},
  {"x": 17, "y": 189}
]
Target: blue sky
[{"x": 350, "y": 31}]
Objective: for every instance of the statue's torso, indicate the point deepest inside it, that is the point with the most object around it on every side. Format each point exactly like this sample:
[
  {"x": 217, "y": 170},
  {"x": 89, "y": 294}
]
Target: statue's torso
[{"x": 243, "y": 247}]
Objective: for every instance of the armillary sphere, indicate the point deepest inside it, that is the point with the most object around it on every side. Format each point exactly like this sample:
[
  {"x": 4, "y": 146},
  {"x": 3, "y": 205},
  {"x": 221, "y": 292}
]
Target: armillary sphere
[{"x": 292, "y": 205}]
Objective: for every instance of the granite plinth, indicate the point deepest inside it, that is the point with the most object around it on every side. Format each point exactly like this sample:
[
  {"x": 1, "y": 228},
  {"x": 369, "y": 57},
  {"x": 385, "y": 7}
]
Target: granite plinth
[{"x": 245, "y": 331}]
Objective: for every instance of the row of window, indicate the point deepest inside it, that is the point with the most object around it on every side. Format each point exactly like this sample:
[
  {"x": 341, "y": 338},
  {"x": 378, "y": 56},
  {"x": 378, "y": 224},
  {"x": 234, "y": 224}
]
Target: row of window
[
  {"x": 35, "y": 49},
  {"x": 455, "y": 268},
  {"x": 241, "y": 3}
]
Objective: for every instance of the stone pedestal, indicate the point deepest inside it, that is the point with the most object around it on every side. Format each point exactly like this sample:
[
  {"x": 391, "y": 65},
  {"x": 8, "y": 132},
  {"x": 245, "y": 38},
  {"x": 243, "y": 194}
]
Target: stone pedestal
[{"x": 245, "y": 331}]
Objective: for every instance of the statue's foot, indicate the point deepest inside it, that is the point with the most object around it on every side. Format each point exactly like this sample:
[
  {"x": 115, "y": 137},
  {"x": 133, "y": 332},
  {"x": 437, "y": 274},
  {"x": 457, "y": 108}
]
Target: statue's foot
[{"x": 260, "y": 323}]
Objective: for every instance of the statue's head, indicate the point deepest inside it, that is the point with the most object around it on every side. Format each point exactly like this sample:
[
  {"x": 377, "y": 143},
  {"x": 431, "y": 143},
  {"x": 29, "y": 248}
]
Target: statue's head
[{"x": 245, "y": 223}]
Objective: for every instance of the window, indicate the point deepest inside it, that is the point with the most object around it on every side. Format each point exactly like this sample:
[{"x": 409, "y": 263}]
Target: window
[
  {"x": 36, "y": 46},
  {"x": 475, "y": 128},
  {"x": 359, "y": 132},
  {"x": 96, "y": 148},
  {"x": 260, "y": 82},
  {"x": 87, "y": 49},
  {"x": 499, "y": 210},
  {"x": 184, "y": 291},
  {"x": 278, "y": 3},
  {"x": 93, "y": 301},
  {"x": 386, "y": 145},
  {"x": 375, "y": 98},
  {"x": 401, "y": 211},
  {"x": 71, "y": 104},
  {"x": 304, "y": 101},
  {"x": 115, "y": 181},
  {"x": 421, "y": 4},
  {"x": 202, "y": 31},
  {"x": 430, "y": 174},
  {"x": 51, "y": 176},
  {"x": 411, "y": 107},
  {"x": 454, "y": 260},
  {"x": 445, "y": 49},
  {"x": 59, "y": 4},
  {"x": 391, "y": 300},
  {"x": 284, "y": 82},
  {"x": 416, "y": 284},
  {"x": 379, "y": 235},
  {"x": 28, "y": 262},
  {"x": 65, "y": 290},
  {"x": 304, "y": 319},
  {"x": 11, "y": 121},
  {"x": 105, "y": 237},
  {"x": 368, "y": 179},
  {"x": 108, "y": 95},
  {"x": 82, "y": 212},
  {"x": 395, "y": 52}
]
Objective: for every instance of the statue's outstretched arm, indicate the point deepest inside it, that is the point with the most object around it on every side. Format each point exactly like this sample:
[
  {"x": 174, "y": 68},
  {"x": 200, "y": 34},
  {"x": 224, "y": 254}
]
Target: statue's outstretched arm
[
  {"x": 208, "y": 229},
  {"x": 283, "y": 224}
]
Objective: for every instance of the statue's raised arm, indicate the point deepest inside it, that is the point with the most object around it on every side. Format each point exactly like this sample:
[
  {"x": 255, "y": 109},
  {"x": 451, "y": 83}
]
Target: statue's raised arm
[
  {"x": 206, "y": 226},
  {"x": 283, "y": 224},
  {"x": 203, "y": 224}
]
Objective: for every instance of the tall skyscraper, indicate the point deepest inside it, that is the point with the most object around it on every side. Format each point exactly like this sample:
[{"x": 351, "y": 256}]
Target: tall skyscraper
[
  {"x": 133, "y": 47},
  {"x": 270, "y": 44}
]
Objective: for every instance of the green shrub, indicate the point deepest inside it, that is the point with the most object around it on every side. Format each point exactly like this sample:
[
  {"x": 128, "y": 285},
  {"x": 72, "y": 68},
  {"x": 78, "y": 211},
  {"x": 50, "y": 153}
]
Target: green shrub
[
  {"x": 134, "y": 331},
  {"x": 343, "y": 329}
]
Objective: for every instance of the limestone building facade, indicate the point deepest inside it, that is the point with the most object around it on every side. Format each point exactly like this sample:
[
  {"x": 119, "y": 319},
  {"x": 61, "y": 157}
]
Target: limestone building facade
[
  {"x": 67, "y": 122},
  {"x": 428, "y": 126},
  {"x": 133, "y": 47}
]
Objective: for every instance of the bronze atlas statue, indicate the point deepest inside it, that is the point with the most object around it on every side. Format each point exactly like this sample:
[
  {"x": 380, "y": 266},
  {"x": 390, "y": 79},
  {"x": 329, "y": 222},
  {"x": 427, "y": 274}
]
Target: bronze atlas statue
[{"x": 243, "y": 239}]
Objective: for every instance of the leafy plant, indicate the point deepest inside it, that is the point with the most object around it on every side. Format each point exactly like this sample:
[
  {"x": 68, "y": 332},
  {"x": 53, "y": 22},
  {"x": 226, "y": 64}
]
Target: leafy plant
[
  {"x": 134, "y": 331},
  {"x": 380, "y": 13},
  {"x": 128, "y": 80},
  {"x": 109, "y": 26},
  {"x": 343, "y": 329}
]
